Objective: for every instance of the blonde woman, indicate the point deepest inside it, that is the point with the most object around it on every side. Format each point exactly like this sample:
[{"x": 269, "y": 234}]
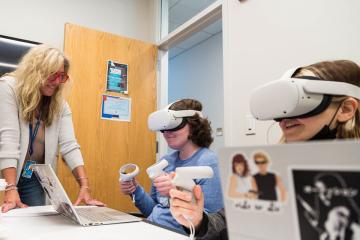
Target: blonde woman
[{"x": 35, "y": 122}]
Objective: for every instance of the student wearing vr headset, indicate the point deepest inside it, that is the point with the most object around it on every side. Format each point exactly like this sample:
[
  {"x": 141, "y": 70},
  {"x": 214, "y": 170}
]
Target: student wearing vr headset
[
  {"x": 187, "y": 132},
  {"x": 316, "y": 102},
  {"x": 32, "y": 111}
]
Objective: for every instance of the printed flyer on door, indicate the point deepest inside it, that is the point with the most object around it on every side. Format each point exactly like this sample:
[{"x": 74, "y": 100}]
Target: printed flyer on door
[{"x": 116, "y": 78}]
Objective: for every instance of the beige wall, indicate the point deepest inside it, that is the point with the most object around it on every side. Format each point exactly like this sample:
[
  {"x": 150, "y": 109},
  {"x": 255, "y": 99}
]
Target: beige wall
[
  {"x": 43, "y": 20},
  {"x": 262, "y": 39}
]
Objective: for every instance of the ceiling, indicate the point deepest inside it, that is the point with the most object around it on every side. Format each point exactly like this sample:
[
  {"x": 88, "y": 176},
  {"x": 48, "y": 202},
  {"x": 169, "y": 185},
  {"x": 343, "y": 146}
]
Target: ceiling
[
  {"x": 181, "y": 11},
  {"x": 12, "y": 50}
]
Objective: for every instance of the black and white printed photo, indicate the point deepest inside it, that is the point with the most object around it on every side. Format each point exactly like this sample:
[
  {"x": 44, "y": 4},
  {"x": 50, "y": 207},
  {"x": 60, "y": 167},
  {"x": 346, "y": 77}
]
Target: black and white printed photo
[{"x": 327, "y": 204}]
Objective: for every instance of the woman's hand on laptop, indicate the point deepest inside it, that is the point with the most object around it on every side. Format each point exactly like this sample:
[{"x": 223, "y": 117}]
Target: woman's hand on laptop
[
  {"x": 84, "y": 192},
  {"x": 12, "y": 200},
  {"x": 85, "y": 196},
  {"x": 181, "y": 206}
]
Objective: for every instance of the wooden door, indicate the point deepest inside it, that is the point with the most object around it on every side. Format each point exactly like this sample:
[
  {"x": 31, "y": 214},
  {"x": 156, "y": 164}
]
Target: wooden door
[{"x": 106, "y": 145}]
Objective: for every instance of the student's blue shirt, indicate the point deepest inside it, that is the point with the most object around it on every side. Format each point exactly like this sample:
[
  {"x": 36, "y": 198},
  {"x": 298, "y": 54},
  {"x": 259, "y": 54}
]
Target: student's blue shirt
[{"x": 156, "y": 207}]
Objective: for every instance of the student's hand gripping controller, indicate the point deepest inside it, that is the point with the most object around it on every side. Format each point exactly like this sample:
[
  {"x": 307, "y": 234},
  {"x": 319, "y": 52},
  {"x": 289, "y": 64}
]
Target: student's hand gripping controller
[
  {"x": 184, "y": 176},
  {"x": 183, "y": 180},
  {"x": 126, "y": 176},
  {"x": 157, "y": 169}
]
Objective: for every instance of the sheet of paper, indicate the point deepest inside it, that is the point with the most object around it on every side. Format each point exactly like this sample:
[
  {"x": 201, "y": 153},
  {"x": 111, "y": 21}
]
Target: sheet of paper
[
  {"x": 30, "y": 212},
  {"x": 116, "y": 108}
]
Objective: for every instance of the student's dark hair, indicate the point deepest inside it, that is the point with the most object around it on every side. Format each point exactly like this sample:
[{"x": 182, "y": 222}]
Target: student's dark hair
[
  {"x": 200, "y": 129},
  {"x": 339, "y": 71},
  {"x": 240, "y": 159}
]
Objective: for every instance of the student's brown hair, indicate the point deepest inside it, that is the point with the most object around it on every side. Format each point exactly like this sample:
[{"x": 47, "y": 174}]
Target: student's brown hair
[{"x": 200, "y": 129}]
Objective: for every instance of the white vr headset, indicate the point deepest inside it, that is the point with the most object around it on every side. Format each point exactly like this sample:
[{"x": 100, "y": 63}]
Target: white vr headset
[
  {"x": 170, "y": 120},
  {"x": 299, "y": 97}
]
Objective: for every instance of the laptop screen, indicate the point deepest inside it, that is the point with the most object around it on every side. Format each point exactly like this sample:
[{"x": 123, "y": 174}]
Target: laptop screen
[
  {"x": 299, "y": 191},
  {"x": 54, "y": 190}
]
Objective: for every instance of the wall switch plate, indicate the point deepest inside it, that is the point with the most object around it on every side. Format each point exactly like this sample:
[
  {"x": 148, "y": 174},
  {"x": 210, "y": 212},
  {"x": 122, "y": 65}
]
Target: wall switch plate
[
  {"x": 219, "y": 132},
  {"x": 250, "y": 125}
]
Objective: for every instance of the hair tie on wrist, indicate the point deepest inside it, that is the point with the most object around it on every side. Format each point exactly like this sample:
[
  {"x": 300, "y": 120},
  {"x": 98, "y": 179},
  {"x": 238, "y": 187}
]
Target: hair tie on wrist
[
  {"x": 10, "y": 188},
  {"x": 10, "y": 185}
]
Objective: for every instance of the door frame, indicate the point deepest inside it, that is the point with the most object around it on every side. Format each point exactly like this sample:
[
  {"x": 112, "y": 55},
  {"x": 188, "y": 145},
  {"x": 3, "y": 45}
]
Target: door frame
[{"x": 201, "y": 20}]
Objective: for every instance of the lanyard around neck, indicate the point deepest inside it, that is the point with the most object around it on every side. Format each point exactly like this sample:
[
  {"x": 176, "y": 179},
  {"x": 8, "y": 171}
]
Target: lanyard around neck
[{"x": 33, "y": 134}]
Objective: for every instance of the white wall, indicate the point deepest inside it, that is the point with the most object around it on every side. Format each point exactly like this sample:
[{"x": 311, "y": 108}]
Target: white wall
[
  {"x": 198, "y": 73},
  {"x": 43, "y": 20},
  {"x": 262, "y": 39}
]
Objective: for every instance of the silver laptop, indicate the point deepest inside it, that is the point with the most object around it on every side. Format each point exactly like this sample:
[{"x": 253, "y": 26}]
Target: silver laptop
[
  {"x": 305, "y": 191},
  {"x": 84, "y": 215}
]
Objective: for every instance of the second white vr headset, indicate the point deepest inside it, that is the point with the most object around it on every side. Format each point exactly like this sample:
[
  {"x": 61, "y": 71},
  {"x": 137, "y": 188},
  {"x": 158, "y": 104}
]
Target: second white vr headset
[
  {"x": 170, "y": 120},
  {"x": 298, "y": 97}
]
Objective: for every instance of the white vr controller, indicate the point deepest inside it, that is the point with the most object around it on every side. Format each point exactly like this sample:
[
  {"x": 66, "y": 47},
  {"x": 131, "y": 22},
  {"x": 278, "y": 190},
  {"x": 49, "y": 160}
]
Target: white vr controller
[
  {"x": 184, "y": 181},
  {"x": 128, "y": 176},
  {"x": 125, "y": 176},
  {"x": 3, "y": 184},
  {"x": 157, "y": 169},
  {"x": 184, "y": 176}
]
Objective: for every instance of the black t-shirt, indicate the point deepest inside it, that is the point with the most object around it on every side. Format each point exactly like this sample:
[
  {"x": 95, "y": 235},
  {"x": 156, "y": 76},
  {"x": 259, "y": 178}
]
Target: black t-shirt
[{"x": 266, "y": 186}]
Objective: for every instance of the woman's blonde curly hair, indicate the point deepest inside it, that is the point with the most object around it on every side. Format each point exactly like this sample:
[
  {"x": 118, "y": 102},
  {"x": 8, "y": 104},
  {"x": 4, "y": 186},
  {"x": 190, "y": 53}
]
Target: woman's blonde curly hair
[{"x": 33, "y": 71}]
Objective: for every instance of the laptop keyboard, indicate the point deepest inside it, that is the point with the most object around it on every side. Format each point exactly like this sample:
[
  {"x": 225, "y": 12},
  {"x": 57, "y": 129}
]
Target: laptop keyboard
[{"x": 93, "y": 216}]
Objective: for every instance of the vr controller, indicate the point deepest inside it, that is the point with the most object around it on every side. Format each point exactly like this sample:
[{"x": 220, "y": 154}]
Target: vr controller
[
  {"x": 184, "y": 181},
  {"x": 184, "y": 176},
  {"x": 129, "y": 176},
  {"x": 157, "y": 169}
]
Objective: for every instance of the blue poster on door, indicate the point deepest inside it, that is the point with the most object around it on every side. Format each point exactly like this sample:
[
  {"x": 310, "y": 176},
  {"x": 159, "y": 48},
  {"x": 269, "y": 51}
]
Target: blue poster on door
[{"x": 116, "y": 77}]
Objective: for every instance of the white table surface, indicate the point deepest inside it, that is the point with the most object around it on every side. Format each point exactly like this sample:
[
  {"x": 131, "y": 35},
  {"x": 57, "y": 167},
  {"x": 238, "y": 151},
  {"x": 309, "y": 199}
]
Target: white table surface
[{"x": 53, "y": 227}]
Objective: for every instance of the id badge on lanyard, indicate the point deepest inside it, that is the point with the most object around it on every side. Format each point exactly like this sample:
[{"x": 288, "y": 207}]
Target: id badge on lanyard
[{"x": 28, "y": 171}]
